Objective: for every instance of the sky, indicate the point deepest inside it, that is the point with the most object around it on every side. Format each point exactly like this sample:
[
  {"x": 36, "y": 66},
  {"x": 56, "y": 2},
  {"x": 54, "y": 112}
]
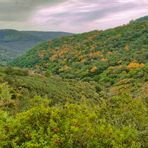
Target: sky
[{"x": 69, "y": 15}]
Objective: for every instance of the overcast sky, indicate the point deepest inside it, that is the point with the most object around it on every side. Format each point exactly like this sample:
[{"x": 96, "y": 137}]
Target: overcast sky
[{"x": 69, "y": 15}]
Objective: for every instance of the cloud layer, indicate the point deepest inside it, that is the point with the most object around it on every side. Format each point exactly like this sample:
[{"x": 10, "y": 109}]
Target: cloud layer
[{"x": 69, "y": 15}]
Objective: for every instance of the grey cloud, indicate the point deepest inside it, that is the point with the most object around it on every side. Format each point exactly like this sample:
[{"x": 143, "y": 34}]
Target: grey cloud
[
  {"x": 68, "y": 15},
  {"x": 20, "y": 10},
  {"x": 98, "y": 13}
]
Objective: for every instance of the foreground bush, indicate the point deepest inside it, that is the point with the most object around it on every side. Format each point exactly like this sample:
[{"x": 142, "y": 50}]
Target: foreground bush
[{"x": 118, "y": 122}]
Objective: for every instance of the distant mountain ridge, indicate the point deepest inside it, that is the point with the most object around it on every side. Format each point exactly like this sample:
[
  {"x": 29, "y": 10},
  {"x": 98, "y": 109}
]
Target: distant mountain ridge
[
  {"x": 17, "y": 42},
  {"x": 47, "y": 35},
  {"x": 9, "y": 35}
]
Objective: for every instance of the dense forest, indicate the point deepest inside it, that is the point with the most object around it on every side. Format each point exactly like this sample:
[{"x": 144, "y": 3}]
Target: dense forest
[
  {"x": 90, "y": 55},
  {"x": 83, "y": 91}
]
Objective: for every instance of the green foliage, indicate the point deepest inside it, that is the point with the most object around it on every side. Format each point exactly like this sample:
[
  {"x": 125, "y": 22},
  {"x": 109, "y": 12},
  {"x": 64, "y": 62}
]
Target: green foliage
[
  {"x": 145, "y": 18},
  {"x": 97, "y": 85},
  {"x": 88, "y": 56},
  {"x": 26, "y": 84},
  {"x": 117, "y": 122},
  {"x": 6, "y": 95},
  {"x": 79, "y": 114}
]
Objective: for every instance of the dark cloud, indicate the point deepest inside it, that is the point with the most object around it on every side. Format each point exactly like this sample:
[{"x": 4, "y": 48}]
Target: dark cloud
[
  {"x": 69, "y": 15},
  {"x": 20, "y": 10}
]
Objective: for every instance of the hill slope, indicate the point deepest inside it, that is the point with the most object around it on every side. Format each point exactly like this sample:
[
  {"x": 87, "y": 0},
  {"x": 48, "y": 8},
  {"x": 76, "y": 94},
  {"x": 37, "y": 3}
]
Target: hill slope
[
  {"x": 145, "y": 18},
  {"x": 93, "y": 55},
  {"x": 111, "y": 112},
  {"x": 70, "y": 113},
  {"x": 18, "y": 42},
  {"x": 27, "y": 84}
]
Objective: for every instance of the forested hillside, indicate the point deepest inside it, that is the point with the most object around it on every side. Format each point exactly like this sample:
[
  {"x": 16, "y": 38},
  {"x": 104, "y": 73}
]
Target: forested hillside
[
  {"x": 27, "y": 84},
  {"x": 40, "y": 111},
  {"x": 4, "y": 54},
  {"x": 145, "y": 18},
  {"x": 15, "y": 43},
  {"x": 84, "y": 91},
  {"x": 102, "y": 56}
]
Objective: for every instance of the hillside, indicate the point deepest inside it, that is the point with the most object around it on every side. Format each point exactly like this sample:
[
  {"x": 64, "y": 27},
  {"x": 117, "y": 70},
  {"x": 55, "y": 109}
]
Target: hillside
[
  {"x": 40, "y": 111},
  {"x": 4, "y": 54},
  {"x": 17, "y": 43},
  {"x": 145, "y": 18},
  {"x": 84, "y": 91},
  {"x": 94, "y": 55},
  {"x": 28, "y": 84}
]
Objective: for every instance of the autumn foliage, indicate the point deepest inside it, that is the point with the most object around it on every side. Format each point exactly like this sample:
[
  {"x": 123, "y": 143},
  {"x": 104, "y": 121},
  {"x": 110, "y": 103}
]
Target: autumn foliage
[{"x": 134, "y": 65}]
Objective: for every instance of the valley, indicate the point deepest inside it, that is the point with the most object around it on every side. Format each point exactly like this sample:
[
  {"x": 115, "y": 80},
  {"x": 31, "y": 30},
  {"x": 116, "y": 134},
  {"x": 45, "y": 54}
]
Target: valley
[{"x": 15, "y": 43}]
